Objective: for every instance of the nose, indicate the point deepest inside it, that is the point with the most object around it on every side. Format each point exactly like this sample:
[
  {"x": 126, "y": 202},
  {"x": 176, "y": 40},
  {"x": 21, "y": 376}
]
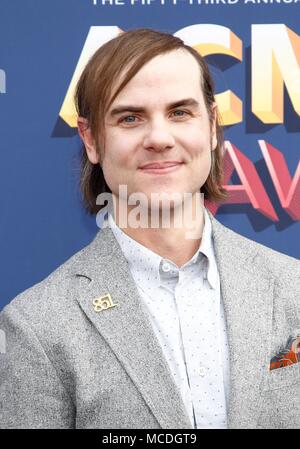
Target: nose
[{"x": 158, "y": 136}]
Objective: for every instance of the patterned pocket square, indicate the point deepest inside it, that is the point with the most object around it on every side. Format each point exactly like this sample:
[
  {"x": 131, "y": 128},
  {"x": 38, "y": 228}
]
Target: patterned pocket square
[{"x": 287, "y": 356}]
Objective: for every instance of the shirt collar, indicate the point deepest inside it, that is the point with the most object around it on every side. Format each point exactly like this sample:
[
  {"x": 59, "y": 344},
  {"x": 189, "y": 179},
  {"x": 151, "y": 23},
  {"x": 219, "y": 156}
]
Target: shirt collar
[
  {"x": 207, "y": 248},
  {"x": 140, "y": 258},
  {"x": 149, "y": 262}
]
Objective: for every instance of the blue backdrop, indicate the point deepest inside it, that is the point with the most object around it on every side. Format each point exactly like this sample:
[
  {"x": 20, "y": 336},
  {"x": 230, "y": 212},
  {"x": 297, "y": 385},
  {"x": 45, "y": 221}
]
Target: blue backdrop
[{"x": 42, "y": 222}]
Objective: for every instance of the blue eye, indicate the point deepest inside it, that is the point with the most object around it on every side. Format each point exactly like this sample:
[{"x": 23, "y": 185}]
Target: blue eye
[
  {"x": 179, "y": 113},
  {"x": 129, "y": 119}
]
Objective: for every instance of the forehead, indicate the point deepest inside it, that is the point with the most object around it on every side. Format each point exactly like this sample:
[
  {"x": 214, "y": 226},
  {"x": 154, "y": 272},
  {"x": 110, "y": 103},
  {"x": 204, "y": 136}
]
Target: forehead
[{"x": 171, "y": 75}]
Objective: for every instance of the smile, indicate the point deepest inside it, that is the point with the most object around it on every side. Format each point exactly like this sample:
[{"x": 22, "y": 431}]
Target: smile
[{"x": 162, "y": 170}]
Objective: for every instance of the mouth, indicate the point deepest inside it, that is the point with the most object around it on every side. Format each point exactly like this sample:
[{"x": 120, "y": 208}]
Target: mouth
[{"x": 159, "y": 168}]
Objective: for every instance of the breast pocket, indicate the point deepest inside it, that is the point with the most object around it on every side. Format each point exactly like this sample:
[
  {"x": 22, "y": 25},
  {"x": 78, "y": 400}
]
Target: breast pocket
[
  {"x": 281, "y": 377},
  {"x": 280, "y": 392}
]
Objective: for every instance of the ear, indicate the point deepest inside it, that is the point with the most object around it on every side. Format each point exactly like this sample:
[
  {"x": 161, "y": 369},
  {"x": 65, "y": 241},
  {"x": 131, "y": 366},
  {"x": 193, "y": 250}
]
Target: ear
[
  {"x": 214, "y": 140},
  {"x": 87, "y": 138}
]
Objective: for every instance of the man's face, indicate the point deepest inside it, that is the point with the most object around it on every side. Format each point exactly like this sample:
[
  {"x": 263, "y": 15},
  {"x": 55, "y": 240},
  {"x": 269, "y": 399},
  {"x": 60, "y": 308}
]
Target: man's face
[{"x": 159, "y": 118}]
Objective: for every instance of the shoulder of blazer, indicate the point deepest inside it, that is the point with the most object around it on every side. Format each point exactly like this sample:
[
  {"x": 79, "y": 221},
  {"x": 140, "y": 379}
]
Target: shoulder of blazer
[
  {"x": 235, "y": 248},
  {"x": 56, "y": 293}
]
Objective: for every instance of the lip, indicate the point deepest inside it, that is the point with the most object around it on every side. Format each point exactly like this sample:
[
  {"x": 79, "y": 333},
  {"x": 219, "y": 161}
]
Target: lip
[
  {"x": 160, "y": 164},
  {"x": 161, "y": 167}
]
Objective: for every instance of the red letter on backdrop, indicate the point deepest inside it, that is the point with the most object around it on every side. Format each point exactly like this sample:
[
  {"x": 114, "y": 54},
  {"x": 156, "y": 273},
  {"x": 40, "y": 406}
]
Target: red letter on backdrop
[
  {"x": 287, "y": 188},
  {"x": 251, "y": 189}
]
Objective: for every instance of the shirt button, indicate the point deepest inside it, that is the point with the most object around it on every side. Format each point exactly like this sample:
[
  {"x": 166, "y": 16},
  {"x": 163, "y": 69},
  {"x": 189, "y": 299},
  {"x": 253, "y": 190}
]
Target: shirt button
[
  {"x": 202, "y": 371},
  {"x": 166, "y": 267}
]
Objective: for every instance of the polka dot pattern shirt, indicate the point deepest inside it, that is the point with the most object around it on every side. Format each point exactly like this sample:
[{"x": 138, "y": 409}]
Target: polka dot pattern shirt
[{"x": 186, "y": 311}]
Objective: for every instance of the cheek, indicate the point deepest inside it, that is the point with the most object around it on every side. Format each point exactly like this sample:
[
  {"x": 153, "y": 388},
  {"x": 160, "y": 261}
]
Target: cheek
[
  {"x": 199, "y": 149},
  {"x": 112, "y": 160},
  {"x": 116, "y": 162},
  {"x": 119, "y": 150},
  {"x": 201, "y": 163},
  {"x": 196, "y": 138}
]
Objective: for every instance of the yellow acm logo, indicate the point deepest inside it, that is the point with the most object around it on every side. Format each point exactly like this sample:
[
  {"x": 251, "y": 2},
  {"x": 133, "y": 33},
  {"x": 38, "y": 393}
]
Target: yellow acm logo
[{"x": 275, "y": 64}]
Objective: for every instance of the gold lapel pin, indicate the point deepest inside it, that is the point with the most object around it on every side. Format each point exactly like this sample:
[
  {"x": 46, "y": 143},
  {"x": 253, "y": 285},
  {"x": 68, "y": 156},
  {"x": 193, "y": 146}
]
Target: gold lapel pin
[{"x": 103, "y": 303}]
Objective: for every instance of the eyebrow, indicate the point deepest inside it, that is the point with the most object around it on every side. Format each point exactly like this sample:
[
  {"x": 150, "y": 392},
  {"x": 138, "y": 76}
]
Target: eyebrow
[{"x": 131, "y": 108}]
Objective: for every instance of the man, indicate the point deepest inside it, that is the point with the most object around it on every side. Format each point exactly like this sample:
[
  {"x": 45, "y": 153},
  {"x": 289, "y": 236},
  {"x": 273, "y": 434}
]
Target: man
[{"x": 154, "y": 326}]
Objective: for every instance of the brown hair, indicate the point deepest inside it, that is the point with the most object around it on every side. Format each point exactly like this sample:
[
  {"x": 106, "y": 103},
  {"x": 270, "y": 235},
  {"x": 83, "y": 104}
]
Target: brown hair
[{"x": 103, "y": 79}]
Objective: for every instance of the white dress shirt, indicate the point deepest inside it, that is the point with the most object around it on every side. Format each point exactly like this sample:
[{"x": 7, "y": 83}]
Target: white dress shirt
[{"x": 186, "y": 312}]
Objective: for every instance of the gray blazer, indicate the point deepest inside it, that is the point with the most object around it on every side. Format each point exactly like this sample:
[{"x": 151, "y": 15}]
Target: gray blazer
[{"x": 68, "y": 365}]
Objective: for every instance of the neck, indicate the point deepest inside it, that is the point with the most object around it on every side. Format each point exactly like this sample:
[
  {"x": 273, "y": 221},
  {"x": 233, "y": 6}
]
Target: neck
[{"x": 175, "y": 236}]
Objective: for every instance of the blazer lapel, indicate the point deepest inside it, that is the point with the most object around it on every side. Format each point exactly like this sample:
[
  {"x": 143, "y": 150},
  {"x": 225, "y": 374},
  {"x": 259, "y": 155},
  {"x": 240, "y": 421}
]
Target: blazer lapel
[
  {"x": 127, "y": 329},
  {"x": 247, "y": 293}
]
